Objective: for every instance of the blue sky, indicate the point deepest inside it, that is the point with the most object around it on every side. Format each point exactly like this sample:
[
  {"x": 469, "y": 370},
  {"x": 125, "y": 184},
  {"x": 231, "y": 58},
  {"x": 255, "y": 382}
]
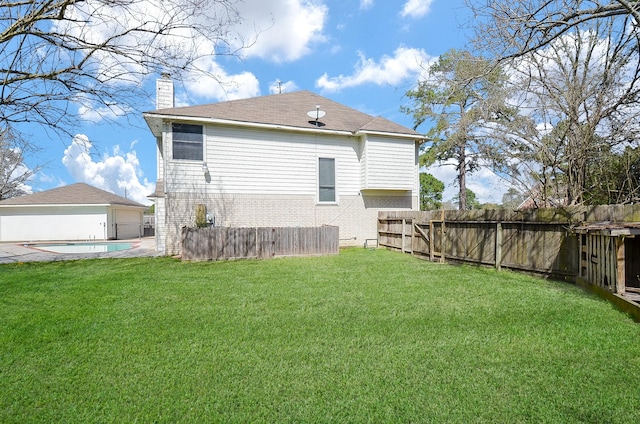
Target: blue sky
[{"x": 362, "y": 53}]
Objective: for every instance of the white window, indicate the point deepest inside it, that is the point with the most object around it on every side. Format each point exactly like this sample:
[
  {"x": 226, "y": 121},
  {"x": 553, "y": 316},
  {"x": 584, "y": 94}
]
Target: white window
[
  {"x": 187, "y": 141},
  {"x": 327, "y": 180}
]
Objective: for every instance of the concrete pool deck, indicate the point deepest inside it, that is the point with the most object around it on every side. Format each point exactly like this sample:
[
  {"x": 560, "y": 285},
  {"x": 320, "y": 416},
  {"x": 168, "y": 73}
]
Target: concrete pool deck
[{"x": 21, "y": 252}]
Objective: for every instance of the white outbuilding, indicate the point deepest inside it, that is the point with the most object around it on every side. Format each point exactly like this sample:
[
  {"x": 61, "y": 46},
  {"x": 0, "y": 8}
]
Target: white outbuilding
[{"x": 74, "y": 212}]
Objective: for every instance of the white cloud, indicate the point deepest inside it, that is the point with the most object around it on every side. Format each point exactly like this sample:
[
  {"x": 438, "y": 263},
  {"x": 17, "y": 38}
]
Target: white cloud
[
  {"x": 488, "y": 187},
  {"x": 93, "y": 112},
  {"x": 118, "y": 173},
  {"x": 447, "y": 174},
  {"x": 406, "y": 63},
  {"x": 18, "y": 173},
  {"x": 366, "y": 4},
  {"x": 282, "y": 31},
  {"x": 213, "y": 83},
  {"x": 416, "y": 8}
]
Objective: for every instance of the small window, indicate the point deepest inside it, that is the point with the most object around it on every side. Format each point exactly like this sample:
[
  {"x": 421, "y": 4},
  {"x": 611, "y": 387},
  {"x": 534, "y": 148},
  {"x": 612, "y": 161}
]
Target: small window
[
  {"x": 327, "y": 180},
  {"x": 187, "y": 141}
]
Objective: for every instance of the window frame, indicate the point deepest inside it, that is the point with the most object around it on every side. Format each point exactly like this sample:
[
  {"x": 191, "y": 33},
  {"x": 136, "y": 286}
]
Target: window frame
[
  {"x": 188, "y": 145},
  {"x": 322, "y": 185}
]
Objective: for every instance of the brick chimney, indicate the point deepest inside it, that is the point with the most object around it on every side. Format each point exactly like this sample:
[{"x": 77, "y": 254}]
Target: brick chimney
[{"x": 164, "y": 92}]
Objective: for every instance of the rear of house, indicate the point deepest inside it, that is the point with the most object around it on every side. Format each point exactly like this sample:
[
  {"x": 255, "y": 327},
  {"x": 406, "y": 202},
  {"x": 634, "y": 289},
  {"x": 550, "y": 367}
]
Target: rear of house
[{"x": 285, "y": 160}]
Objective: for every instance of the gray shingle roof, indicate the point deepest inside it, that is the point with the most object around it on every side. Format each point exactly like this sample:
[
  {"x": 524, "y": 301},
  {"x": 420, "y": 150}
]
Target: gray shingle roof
[
  {"x": 290, "y": 110},
  {"x": 74, "y": 194}
]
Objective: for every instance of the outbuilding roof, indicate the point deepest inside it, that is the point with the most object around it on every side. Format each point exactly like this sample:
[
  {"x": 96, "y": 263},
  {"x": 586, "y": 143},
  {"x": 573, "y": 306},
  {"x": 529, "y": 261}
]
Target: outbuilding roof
[
  {"x": 610, "y": 228},
  {"x": 285, "y": 110},
  {"x": 74, "y": 194}
]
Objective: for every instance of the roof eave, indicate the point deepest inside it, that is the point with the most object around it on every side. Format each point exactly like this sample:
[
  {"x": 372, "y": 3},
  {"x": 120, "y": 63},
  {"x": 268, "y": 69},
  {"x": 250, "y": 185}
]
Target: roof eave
[
  {"x": 245, "y": 124},
  {"x": 154, "y": 123},
  {"x": 392, "y": 134},
  {"x": 152, "y": 119},
  {"x": 66, "y": 205}
]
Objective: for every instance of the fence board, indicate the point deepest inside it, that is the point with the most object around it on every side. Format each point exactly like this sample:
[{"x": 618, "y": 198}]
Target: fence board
[
  {"x": 220, "y": 243},
  {"x": 537, "y": 243}
]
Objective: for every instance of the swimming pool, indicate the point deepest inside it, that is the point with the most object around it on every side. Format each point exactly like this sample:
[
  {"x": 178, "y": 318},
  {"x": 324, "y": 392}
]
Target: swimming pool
[{"x": 83, "y": 247}]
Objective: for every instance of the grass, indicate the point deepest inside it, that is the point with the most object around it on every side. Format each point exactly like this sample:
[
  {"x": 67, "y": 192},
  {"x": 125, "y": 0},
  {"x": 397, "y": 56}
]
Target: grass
[{"x": 366, "y": 336}]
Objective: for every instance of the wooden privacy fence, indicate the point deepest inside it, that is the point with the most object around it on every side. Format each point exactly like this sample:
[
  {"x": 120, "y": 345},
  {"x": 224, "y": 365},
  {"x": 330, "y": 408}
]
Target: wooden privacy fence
[
  {"x": 533, "y": 241},
  {"x": 598, "y": 247},
  {"x": 216, "y": 243}
]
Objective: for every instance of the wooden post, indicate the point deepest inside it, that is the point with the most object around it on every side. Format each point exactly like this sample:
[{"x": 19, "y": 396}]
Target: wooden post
[
  {"x": 443, "y": 244},
  {"x": 413, "y": 233},
  {"x": 431, "y": 242},
  {"x": 620, "y": 264},
  {"x": 582, "y": 251},
  {"x": 498, "y": 246},
  {"x": 404, "y": 224}
]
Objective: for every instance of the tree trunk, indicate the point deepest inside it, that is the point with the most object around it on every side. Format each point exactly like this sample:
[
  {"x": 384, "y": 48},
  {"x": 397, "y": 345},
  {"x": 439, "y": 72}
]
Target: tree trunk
[{"x": 462, "y": 179}]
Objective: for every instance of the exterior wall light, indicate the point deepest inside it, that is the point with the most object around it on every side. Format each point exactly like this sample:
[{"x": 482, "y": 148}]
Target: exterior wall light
[{"x": 205, "y": 168}]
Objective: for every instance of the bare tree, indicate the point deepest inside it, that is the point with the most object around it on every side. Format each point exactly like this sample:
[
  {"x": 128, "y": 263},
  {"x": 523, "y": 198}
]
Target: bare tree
[
  {"x": 14, "y": 174},
  {"x": 60, "y": 55},
  {"x": 512, "y": 28},
  {"x": 577, "y": 93}
]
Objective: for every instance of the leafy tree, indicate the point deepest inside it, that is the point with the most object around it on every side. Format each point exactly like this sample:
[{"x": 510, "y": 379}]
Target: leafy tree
[
  {"x": 458, "y": 97},
  {"x": 614, "y": 178},
  {"x": 60, "y": 55},
  {"x": 512, "y": 198},
  {"x": 472, "y": 201},
  {"x": 431, "y": 190}
]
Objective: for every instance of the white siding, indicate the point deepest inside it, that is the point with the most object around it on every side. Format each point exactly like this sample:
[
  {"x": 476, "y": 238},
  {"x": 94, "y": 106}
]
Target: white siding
[
  {"x": 52, "y": 223},
  {"x": 389, "y": 164},
  {"x": 159, "y": 159},
  {"x": 161, "y": 228},
  {"x": 246, "y": 161}
]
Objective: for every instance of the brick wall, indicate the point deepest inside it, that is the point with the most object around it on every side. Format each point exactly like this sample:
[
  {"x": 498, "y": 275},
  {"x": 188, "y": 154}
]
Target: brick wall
[{"x": 355, "y": 215}]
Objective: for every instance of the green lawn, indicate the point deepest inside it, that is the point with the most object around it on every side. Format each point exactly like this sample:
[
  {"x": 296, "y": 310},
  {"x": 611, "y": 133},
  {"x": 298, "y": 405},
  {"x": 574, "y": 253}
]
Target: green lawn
[{"x": 366, "y": 336}]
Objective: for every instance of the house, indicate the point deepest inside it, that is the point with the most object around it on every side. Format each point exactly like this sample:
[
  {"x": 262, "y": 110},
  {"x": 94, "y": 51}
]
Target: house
[
  {"x": 73, "y": 212},
  {"x": 284, "y": 160}
]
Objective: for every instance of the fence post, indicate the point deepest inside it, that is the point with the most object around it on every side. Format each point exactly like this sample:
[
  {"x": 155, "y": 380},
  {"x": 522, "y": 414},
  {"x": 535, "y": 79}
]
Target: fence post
[
  {"x": 621, "y": 266},
  {"x": 404, "y": 223},
  {"x": 413, "y": 233},
  {"x": 432, "y": 244},
  {"x": 498, "y": 246},
  {"x": 443, "y": 248}
]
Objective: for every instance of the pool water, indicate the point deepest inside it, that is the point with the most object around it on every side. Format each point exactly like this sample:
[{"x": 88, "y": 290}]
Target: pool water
[{"x": 89, "y": 247}]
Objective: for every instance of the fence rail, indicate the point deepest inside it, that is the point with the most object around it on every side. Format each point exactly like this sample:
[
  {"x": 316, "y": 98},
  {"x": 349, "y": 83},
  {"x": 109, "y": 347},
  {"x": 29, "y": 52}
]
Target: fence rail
[
  {"x": 218, "y": 243},
  {"x": 540, "y": 242}
]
